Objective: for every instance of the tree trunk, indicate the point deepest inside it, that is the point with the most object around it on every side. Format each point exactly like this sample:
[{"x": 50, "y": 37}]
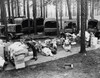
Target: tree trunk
[
  {"x": 66, "y": 14},
  {"x": 86, "y": 7},
  {"x": 73, "y": 9},
  {"x": 16, "y": 12},
  {"x": 69, "y": 9},
  {"x": 61, "y": 14},
  {"x": 57, "y": 17},
  {"x": 34, "y": 15},
  {"x": 18, "y": 9},
  {"x": 78, "y": 15},
  {"x": 98, "y": 2},
  {"x": 98, "y": 8},
  {"x": 4, "y": 18},
  {"x": 83, "y": 25},
  {"x": 9, "y": 15},
  {"x": 92, "y": 9},
  {"x": 12, "y": 11},
  {"x": 44, "y": 9},
  {"x": 28, "y": 15},
  {"x": 41, "y": 8},
  {"x": 24, "y": 12}
]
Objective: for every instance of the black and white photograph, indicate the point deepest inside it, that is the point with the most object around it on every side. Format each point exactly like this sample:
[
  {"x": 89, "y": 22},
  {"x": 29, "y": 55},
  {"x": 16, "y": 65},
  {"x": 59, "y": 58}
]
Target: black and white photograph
[{"x": 49, "y": 38}]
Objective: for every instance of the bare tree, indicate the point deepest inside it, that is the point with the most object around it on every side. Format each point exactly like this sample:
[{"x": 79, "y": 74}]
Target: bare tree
[
  {"x": 69, "y": 8},
  {"x": 83, "y": 25},
  {"x": 92, "y": 9},
  {"x": 34, "y": 15},
  {"x": 12, "y": 11},
  {"x": 78, "y": 15},
  {"x": 9, "y": 15},
  {"x": 44, "y": 9},
  {"x": 41, "y": 6},
  {"x": 4, "y": 17},
  {"x": 57, "y": 17},
  {"x": 24, "y": 12},
  {"x": 61, "y": 14},
  {"x": 18, "y": 8},
  {"x": 28, "y": 15}
]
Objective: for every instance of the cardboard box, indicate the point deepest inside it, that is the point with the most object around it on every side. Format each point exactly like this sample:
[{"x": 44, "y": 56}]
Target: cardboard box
[
  {"x": 19, "y": 57},
  {"x": 19, "y": 66},
  {"x": 19, "y": 63}
]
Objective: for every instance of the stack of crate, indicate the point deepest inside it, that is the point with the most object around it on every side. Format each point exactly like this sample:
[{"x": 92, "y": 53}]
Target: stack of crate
[
  {"x": 19, "y": 61},
  {"x": 19, "y": 58}
]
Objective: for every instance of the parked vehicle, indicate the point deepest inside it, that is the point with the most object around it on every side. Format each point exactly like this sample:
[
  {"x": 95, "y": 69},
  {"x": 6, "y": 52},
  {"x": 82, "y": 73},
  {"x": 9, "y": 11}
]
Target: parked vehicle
[
  {"x": 50, "y": 26},
  {"x": 70, "y": 28},
  {"x": 39, "y": 25},
  {"x": 21, "y": 27},
  {"x": 14, "y": 31},
  {"x": 94, "y": 26},
  {"x": 25, "y": 26}
]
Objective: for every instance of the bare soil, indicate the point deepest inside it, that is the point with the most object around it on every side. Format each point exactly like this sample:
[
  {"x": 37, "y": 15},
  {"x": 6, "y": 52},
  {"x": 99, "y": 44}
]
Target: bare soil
[{"x": 84, "y": 66}]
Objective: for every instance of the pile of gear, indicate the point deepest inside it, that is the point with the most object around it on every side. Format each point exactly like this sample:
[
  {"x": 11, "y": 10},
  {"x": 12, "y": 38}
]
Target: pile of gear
[
  {"x": 90, "y": 39},
  {"x": 16, "y": 52},
  {"x": 67, "y": 40}
]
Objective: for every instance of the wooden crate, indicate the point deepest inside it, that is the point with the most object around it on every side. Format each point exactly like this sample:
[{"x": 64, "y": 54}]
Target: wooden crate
[
  {"x": 19, "y": 61},
  {"x": 19, "y": 66}
]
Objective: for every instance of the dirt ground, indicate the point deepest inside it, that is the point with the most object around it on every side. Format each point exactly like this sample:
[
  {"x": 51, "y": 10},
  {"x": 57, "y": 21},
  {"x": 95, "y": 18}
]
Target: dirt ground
[{"x": 84, "y": 66}]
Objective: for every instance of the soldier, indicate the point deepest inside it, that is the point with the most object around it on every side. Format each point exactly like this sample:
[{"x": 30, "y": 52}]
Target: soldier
[{"x": 32, "y": 46}]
